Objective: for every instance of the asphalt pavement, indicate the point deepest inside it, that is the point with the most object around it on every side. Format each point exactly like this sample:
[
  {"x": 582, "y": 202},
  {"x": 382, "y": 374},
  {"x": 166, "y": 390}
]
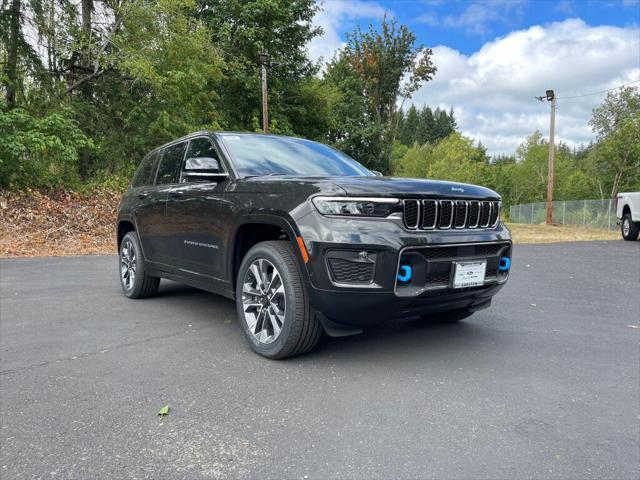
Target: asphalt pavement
[{"x": 544, "y": 384}]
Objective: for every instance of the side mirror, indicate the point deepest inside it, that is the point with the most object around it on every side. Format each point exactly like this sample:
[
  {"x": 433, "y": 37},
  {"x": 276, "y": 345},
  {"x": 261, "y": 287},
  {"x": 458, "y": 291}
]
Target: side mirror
[
  {"x": 377, "y": 173},
  {"x": 204, "y": 168}
]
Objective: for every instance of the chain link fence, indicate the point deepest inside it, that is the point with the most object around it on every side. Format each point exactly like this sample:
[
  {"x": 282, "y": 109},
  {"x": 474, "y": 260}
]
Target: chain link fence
[{"x": 586, "y": 213}]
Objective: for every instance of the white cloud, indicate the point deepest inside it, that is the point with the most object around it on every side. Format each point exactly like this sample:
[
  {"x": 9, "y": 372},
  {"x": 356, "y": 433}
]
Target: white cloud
[
  {"x": 492, "y": 90},
  {"x": 333, "y": 17},
  {"x": 478, "y": 16}
]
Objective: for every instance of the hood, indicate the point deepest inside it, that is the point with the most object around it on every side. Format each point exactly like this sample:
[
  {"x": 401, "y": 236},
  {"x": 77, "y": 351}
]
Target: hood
[
  {"x": 411, "y": 187},
  {"x": 367, "y": 186}
]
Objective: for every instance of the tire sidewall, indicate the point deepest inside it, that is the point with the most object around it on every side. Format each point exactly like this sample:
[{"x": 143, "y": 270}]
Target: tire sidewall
[
  {"x": 633, "y": 228},
  {"x": 292, "y": 307},
  {"x": 626, "y": 221},
  {"x": 134, "y": 291}
]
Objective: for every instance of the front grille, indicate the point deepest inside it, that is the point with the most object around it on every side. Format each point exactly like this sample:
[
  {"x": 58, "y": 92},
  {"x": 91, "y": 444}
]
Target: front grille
[
  {"x": 345, "y": 271},
  {"x": 477, "y": 250},
  {"x": 411, "y": 213},
  {"x": 450, "y": 214},
  {"x": 432, "y": 266},
  {"x": 437, "y": 279}
]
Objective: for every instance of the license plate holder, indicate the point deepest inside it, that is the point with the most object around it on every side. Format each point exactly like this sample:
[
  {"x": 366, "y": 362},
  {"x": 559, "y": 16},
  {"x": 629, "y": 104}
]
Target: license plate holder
[{"x": 469, "y": 274}]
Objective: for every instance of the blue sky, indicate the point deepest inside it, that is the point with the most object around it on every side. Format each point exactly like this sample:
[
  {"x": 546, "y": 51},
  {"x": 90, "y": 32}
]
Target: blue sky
[
  {"x": 493, "y": 56},
  {"x": 466, "y": 25}
]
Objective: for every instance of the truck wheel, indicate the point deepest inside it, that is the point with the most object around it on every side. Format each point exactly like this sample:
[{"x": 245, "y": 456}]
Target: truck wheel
[
  {"x": 273, "y": 304},
  {"x": 630, "y": 229},
  {"x": 134, "y": 279}
]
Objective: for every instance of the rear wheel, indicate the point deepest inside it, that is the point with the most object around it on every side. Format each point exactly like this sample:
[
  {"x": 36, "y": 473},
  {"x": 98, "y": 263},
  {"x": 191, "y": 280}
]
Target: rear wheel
[
  {"x": 273, "y": 304},
  {"x": 134, "y": 279},
  {"x": 630, "y": 229}
]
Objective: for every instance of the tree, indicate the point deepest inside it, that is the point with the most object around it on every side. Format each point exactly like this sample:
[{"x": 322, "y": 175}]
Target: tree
[
  {"x": 241, "y": 29},
  {"x": 368, "y": 72},
  {"x": 407, "y": 134},
  {"x": 455, "y": 158},
  {"x": 616, "y": 157}
]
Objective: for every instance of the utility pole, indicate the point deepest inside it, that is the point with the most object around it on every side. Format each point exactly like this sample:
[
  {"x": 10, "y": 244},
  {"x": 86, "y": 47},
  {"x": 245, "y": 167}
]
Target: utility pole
[
  {"x": 550, "y": 97},
  {"x": 264, "y": 61},
  {"x": 265, "y": 101}
]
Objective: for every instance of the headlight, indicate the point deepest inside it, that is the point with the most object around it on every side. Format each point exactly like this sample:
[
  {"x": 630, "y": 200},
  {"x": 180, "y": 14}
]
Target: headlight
[{"x": 356, "y": 206}]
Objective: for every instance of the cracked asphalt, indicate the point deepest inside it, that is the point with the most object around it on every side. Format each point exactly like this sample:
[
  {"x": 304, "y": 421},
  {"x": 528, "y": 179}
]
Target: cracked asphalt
[{"x": 544, "y": 384}]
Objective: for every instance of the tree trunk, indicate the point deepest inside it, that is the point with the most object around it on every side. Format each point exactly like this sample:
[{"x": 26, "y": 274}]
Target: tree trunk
[
  {"x": 87, "y": 8},
  {"x": 85, "y": 86},
  {"x": 11, "y": 82}
]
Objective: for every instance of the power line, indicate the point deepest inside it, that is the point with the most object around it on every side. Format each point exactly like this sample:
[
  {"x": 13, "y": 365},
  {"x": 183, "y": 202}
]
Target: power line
[{"x": 601, "y": 91}]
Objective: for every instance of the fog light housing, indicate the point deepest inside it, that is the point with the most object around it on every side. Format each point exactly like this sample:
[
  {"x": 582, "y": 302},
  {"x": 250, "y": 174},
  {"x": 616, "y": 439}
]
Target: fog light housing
[{"x": 351, "y": 266}]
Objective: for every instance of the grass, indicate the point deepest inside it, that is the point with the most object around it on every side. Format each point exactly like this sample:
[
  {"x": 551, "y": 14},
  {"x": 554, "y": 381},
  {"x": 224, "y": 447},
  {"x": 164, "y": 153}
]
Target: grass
[{"x": 524, "y": 233}]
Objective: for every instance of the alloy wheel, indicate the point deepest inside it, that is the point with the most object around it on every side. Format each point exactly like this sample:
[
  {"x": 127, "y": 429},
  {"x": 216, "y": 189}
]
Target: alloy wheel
[
  {"x": 128, "y": 264},
  {"x": 626, "y": 226},
  {"x": 263, "y": 301}
]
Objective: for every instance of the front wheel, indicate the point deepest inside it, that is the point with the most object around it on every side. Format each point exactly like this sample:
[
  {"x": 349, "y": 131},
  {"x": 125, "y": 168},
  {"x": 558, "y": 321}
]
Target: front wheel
[
  {"x": 273, "y": 304},
  {"x": 630, "y": 229}
]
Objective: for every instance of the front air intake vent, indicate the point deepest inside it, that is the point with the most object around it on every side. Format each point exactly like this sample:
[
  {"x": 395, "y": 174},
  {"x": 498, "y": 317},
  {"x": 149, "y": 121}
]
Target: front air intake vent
[
  {"x": 429, "y": 214},
  {"x": 446, "y": 214},
  {"x": 450, "y": 214},
  {"x": 411, "y": 213}
]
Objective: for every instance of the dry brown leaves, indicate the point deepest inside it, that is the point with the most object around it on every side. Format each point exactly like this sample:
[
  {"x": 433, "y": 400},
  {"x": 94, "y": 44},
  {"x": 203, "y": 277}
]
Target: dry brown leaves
[
  {"x": 60, "y": 223},
  {"x": 66, "y": 223}
]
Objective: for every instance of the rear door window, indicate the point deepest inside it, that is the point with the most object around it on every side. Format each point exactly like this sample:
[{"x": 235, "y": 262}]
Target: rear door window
[
  {"x": 170, "y": 164},
  {"x": 146, "y": 171}
]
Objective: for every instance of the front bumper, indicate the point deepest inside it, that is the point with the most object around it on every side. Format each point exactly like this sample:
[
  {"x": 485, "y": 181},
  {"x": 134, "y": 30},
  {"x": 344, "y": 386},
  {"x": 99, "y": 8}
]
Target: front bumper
[{"x": 385, "y": 240}]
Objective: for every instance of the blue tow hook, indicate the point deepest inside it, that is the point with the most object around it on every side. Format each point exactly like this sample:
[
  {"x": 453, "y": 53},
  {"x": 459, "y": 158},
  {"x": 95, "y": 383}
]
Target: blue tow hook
[
  {"x": 505, "y": 264},
  {"x": 404, "y": 274}
]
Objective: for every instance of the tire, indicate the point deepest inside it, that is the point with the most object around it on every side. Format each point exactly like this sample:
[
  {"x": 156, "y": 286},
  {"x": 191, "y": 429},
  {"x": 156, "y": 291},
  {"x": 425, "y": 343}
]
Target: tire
[
  {"x": 276, "y": 316},
  {"x": 140, "y": 284},
  {"x": 453, "y": 316},
  {"x": 631, "y": 228}
]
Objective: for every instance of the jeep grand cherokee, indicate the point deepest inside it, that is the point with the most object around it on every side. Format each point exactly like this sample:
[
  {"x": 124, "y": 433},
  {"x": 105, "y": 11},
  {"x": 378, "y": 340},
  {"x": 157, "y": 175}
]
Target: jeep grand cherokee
[{"x": 305, "y": 239}]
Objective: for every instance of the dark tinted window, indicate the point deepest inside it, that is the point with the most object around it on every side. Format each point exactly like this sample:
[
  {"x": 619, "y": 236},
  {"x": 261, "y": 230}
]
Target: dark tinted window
[
  {"x": 170, "y": 164},
  {"x": 267, "y": 154},
  {"x": 146, "y": 171},
  {"x": 202, "y": 147}
]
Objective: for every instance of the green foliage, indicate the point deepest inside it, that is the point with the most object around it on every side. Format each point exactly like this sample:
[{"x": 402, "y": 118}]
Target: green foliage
[
  {"x": 39, "y": 151},
  {"x": 616, "y": 158},
  {"x": 425, "y": 125},
  {"x": 170, "y": 53},
  {"x": 455, "y": 158},
  {"x": 368, "y": 75},
  {"x": 83, "y": 108}
]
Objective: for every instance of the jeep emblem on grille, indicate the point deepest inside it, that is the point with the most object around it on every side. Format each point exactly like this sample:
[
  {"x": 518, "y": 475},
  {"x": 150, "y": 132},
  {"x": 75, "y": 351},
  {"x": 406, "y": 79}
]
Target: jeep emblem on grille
[{"x": 457, "y": 189}]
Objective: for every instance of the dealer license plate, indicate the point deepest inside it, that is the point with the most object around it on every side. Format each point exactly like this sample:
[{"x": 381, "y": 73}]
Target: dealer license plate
[{"x": 469, "y": 274}]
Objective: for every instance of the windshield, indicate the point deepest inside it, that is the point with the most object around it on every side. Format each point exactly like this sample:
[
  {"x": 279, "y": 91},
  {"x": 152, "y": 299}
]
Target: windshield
[{"x": 255, "y": 154}]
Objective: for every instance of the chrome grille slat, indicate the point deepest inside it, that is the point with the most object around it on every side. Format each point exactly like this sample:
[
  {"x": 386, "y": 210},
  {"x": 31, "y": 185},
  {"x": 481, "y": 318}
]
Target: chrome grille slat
[
  {"x": 411, "y": 213},
  {"x": 429, "y": 214},
  {"x": 485, "y": 214},
  {"x": 474, "y": 214},
  {"x": 461, "y": 215},
  {"x": 446, "y": 214}
]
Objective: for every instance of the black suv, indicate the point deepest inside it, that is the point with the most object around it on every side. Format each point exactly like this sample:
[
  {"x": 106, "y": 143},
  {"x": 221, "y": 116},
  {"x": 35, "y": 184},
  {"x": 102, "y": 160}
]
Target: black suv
[{"x": 307, "y": 240}]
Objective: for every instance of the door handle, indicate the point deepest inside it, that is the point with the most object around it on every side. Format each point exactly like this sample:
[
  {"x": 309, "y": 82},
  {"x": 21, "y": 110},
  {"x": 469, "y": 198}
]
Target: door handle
[
  {"x": 176, "y": 193},
  {"x": 143, "y": 195}
]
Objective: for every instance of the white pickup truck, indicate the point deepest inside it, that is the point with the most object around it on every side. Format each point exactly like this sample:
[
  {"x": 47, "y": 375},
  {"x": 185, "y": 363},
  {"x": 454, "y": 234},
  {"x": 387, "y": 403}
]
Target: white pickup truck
[{"x": 628, "y": 213}]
